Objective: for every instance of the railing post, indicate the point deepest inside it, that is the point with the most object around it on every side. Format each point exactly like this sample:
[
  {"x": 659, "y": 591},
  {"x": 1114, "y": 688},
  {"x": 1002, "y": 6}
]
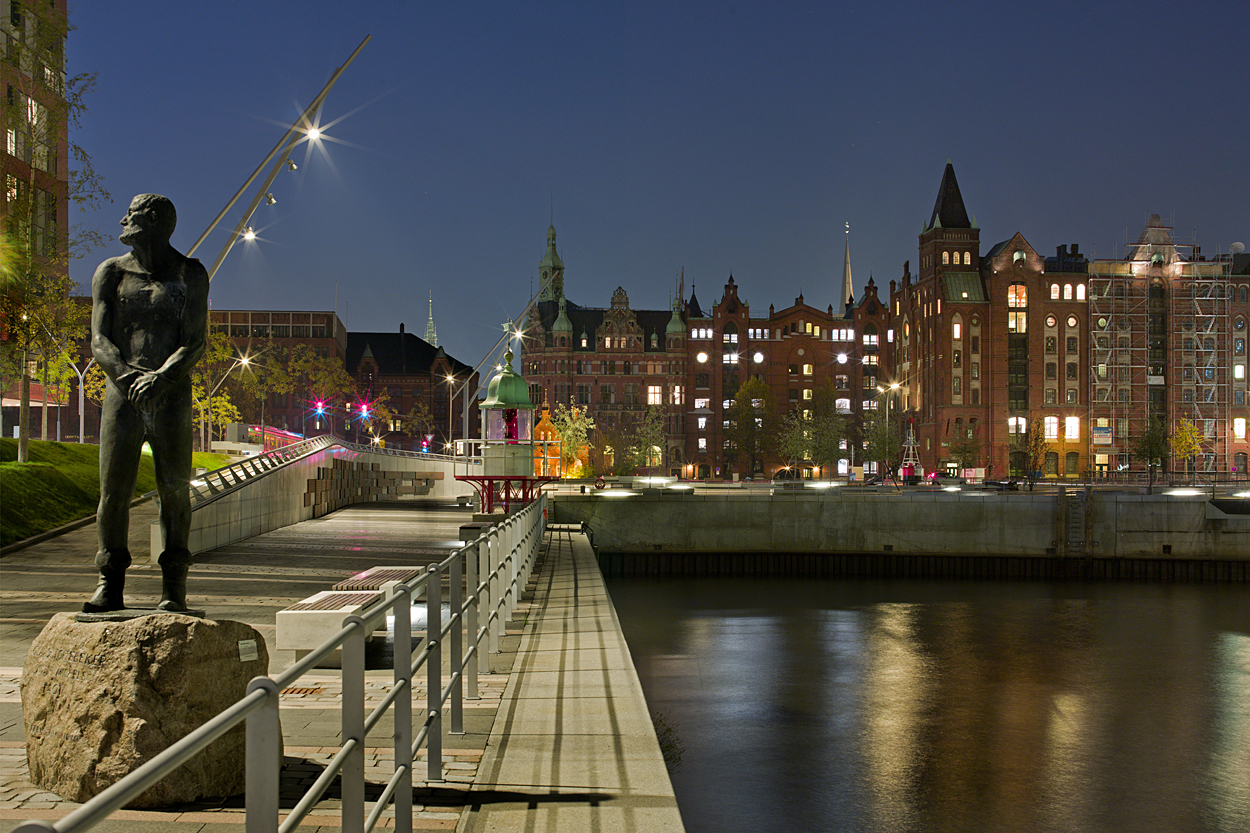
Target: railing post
[
  {"x": 456, "y": 649},
  {"x": 434, "y": 675},
  {"x": 353, "y": 723},
  {"x": 403, "y": 705},
  {"x": 509, "y": 554},
  {"x": 263, "y": 765},
  {"x": 495, "y": 543},
  {"x": 472, "y": 554}
]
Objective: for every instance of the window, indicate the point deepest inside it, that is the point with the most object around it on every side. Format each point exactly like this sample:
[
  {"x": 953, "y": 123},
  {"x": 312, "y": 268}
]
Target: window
[
  {"x": 1071, "y": 370},
  {"x": 1017, "y": 322},
  {"x": 843, "y": 406},
  {"x": 956, "y": 330},
  {"x": 1071, "y": 396},
  {"x": 1072, "y": 428},
  {"x": 655, "y": 394},
  {"x": 1017, "y": 296},
  {"x": 1052, "y": 370},
  {"x": 976, "y": 396},
  {"x": 1054, "y": 292},
  {"x": 976, "y": 344},
  {"x": 956, "y": 358},
  {"x": 807, "y": 393},
  {"x": 1051, "y": 344},
  {"x": 1051, "y": 396},
  {"x": 1239, "y": 428},
  {"x": 703, "y": 443},
  {"x": 1072, "y": 343},
  {"x": 1239, "y": 371},
  {"x": 946, "y": 258},
  {"x": 583, "y": 394},
  {"x": 1017, "y": 425},
  {"x": 808, "y": 370},
  {"x": 1072, "y": 461},
  {"x": 1051, "y": 427},
  {"x": 974, "y": 370},
  {"x": 677, "y": 395},
  {"x": 1080, "y": 292},
  {"x": 842, "y": 382},
  {"x": 958, "y": 386},
  {"x": 1067, "y": 292},
  {"x": 1052, "y": 463}
]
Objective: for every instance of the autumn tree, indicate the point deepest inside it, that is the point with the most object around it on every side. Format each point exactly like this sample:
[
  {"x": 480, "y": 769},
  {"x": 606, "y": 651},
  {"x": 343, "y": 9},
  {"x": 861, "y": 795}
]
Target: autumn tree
[
  {"x": 1032, "y": 444},
  {"x": 646, "y": 439},
  {"x": 753, "y": 426},
  {"x": 1186, "y": 442},
  {"x": 1152, "y": 449},
  {"x": 965, "y": 450},
  {"x": 882, "y": 440},
  {"x": 39, "y": 317},
  {"x": 573, "y": 425}
]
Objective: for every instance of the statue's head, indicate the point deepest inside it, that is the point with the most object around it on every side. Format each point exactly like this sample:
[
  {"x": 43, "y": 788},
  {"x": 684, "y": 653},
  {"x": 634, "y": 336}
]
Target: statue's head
[{"x": 150, "y": 220}]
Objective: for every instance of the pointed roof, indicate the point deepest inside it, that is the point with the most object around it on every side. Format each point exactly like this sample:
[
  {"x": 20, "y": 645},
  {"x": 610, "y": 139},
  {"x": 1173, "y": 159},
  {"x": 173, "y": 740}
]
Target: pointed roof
[
  {"x": 949, "y": 211},
  {"x": 692, "y": 308},
  {"x": 848, "y": 290},
  {"x": 551, "y": 258}
]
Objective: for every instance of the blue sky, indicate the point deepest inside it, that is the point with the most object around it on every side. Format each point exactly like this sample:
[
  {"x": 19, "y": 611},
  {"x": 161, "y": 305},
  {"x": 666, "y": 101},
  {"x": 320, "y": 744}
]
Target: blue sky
[{"x": 718, "y": 138}]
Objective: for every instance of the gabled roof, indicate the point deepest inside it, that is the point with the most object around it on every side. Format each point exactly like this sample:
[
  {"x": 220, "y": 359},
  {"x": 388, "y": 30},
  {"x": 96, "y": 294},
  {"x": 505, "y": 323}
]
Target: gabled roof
[
  {"x": 949, "y": 211},
  {"x": 692, "y": 308},
  {"x": 396, "y": 353}
]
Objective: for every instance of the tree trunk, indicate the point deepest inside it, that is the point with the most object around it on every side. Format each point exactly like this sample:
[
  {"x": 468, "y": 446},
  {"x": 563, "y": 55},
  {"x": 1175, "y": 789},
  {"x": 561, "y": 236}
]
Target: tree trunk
[
  {"x": 43, "y": 420},
  {"x": 23, "y": 412}
]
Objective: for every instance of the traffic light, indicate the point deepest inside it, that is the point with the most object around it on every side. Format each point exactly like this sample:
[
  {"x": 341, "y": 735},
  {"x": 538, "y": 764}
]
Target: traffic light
[{"x": 425, "y": 446}]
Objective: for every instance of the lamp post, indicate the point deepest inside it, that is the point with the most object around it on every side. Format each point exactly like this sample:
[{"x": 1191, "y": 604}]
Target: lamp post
[
  {"x": 82, "y": 382},
  {"x": 888, "y": 392},
  {"x": 242, "y": 360},
  {"x": 451, "y": 393}
]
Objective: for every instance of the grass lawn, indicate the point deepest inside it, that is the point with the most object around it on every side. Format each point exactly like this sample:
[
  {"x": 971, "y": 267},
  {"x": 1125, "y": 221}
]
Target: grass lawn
[{"x": 61, "y": 483}]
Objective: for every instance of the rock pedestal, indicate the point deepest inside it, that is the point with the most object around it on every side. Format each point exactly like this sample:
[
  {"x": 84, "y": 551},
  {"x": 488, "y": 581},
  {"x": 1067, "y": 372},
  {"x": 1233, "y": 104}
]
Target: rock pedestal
[{"x": 100, "y": 699}]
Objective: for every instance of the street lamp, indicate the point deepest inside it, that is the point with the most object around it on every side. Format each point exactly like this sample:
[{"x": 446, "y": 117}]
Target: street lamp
[
  {"x": 82, "y": 383},
  {"x": 889, "y": 392},
  {"x": 451, "y": 393},
  {"x": 243, "y": 361}
]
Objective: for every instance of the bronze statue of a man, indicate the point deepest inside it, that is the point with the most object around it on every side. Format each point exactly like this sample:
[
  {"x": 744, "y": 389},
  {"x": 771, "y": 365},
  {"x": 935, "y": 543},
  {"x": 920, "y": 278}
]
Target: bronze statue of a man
[{"x": 149, "y": 323}]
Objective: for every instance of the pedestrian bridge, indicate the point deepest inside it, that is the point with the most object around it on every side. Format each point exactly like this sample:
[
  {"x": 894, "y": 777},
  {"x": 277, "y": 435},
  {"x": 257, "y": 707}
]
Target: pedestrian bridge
[{"x": 309, "y": 480}]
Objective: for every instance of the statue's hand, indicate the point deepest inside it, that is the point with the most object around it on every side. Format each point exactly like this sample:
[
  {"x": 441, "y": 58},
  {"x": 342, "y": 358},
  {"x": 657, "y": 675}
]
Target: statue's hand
[{"x": 147, "y": 389}]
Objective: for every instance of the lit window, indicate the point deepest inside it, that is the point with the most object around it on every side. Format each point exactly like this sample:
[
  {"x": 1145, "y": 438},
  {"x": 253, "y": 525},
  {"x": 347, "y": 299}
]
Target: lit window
[
  {"x": 758, "y": 358},
  {"x": 702, "y": 423},
  {"x": 843, "y": 406},
  {"x": 946, "y": 258},
  {"x": 1054, "y": 292},
  {"x": 1072, "y": 428},
  {"x": 1239, "y": 428},
  {"x": 1239, "y": 371},
  {"x": 807, "y": 393},
  {"x": 1017, "y": 295},
  {"x": 1051, "y": 425},
  {"x": 956, "y": 330},
  {"x": 655, "y": 394},
  {"x": 1067, "y": 292},
  {"x": 1080, "y": 292},
  {"x": 889, "y": 335},
  {"x": 703, "y": 443},
  {"x": 967, "y": 258},
  {"x": 1017, "y": 425},
  {"x": 808, "y": 370}
]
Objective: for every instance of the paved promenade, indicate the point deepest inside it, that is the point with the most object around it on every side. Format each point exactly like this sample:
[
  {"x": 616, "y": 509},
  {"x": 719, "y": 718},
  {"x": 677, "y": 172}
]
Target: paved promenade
[{"x": 566, "y": 741}]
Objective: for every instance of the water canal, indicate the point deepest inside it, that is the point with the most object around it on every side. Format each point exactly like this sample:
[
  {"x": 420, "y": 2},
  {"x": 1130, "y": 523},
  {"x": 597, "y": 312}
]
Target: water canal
[{"x": 853, "y": 705}]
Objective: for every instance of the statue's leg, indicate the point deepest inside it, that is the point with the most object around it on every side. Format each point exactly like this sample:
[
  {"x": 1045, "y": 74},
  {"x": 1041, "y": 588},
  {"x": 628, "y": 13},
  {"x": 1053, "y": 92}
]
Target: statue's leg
[
  {"x": 121, "y": 443},
  {"x": 171, "y": 437}
]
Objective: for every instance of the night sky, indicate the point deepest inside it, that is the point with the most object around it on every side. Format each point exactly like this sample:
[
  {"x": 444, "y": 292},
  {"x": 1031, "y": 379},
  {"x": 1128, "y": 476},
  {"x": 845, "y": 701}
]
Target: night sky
[{"x": 716, "y": 137}]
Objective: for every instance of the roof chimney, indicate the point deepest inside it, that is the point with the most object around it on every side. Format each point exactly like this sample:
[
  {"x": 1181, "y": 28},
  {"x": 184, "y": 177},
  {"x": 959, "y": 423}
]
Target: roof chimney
[{"x": 403, "y": 350}]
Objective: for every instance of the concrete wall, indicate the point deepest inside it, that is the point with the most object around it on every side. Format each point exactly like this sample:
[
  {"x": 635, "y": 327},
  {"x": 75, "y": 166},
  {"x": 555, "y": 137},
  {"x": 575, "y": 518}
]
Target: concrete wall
[
  {"x": 920, "y": 523},
  {"x": 290, "y": 494}
]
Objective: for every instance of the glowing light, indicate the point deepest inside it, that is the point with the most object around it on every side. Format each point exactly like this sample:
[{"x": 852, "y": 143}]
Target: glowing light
[
  {"x": 314, "y": 134},
  {"x": 617, "y": 493},
  {"x": 701, "y": 358},
  {"x": 249, "y": 234},
  {"x": 1185, "y": 492},
  {"x": 758, "y": 357},
  {"x": 842, "y": 358}
]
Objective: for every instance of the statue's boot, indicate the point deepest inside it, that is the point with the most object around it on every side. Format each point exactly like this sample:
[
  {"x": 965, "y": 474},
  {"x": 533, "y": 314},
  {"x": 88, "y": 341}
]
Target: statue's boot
[
  {"x": 174, "y": 587},
  {"x": 108, "y": 593}
]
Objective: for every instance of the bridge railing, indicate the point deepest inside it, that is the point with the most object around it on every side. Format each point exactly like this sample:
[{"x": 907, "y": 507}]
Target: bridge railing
[{"x": 486, "y": 578}]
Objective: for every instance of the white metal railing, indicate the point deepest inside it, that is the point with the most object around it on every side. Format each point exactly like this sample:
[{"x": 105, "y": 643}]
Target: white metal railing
[{"x": 486, "y": 578}]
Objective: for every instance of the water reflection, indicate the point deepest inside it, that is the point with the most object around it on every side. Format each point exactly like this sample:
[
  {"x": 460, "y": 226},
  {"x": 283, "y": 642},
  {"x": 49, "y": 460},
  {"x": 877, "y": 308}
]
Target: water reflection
[{"x": 936, "y": 706}]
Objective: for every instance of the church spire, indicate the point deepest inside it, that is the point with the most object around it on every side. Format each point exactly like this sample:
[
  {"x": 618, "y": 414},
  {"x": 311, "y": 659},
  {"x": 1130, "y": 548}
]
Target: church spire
[
  {"x": 551, "y": 269},
  {"x": 848, "y": 289},
  {"x": 431, "y": 335}
]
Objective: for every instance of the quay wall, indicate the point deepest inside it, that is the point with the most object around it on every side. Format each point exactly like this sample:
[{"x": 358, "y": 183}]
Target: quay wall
[{"x": 1075, "y": 534}]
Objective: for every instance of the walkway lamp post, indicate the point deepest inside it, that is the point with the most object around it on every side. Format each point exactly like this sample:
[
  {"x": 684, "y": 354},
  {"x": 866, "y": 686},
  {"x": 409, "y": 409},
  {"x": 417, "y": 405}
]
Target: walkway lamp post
[
  {"x": 82, "y": 383},
  {"x": 888, "y": 393},
  {"x": 241, "y": 361},
  {"x": 451, "y": 393}
]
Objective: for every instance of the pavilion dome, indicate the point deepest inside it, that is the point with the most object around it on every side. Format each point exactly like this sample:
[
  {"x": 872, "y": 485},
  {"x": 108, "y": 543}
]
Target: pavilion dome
[{"x": 508, "y": 389}]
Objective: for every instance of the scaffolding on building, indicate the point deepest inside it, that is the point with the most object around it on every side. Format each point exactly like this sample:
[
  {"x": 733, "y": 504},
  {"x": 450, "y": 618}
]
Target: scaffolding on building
[{"x": 1160, "y": 348}]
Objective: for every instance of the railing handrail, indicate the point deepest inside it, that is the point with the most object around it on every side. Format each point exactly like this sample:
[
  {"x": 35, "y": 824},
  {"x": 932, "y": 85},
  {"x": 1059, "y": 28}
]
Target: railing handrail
[
  {"x": 493, "y": 567},
  {"x": 248, "y": 469}
]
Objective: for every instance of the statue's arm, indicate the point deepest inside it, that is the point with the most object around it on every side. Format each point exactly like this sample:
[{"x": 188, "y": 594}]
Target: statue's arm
[
  {"x": 103, "y": 309},
  {"x": 194, "y": 325}
]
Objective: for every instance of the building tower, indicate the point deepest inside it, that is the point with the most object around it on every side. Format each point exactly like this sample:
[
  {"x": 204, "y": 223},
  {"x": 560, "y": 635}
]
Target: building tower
[
  {"x": 431, "y": 335},
  {"x": 848, "y": 289},
  {"x": 551, "y": 270}
]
